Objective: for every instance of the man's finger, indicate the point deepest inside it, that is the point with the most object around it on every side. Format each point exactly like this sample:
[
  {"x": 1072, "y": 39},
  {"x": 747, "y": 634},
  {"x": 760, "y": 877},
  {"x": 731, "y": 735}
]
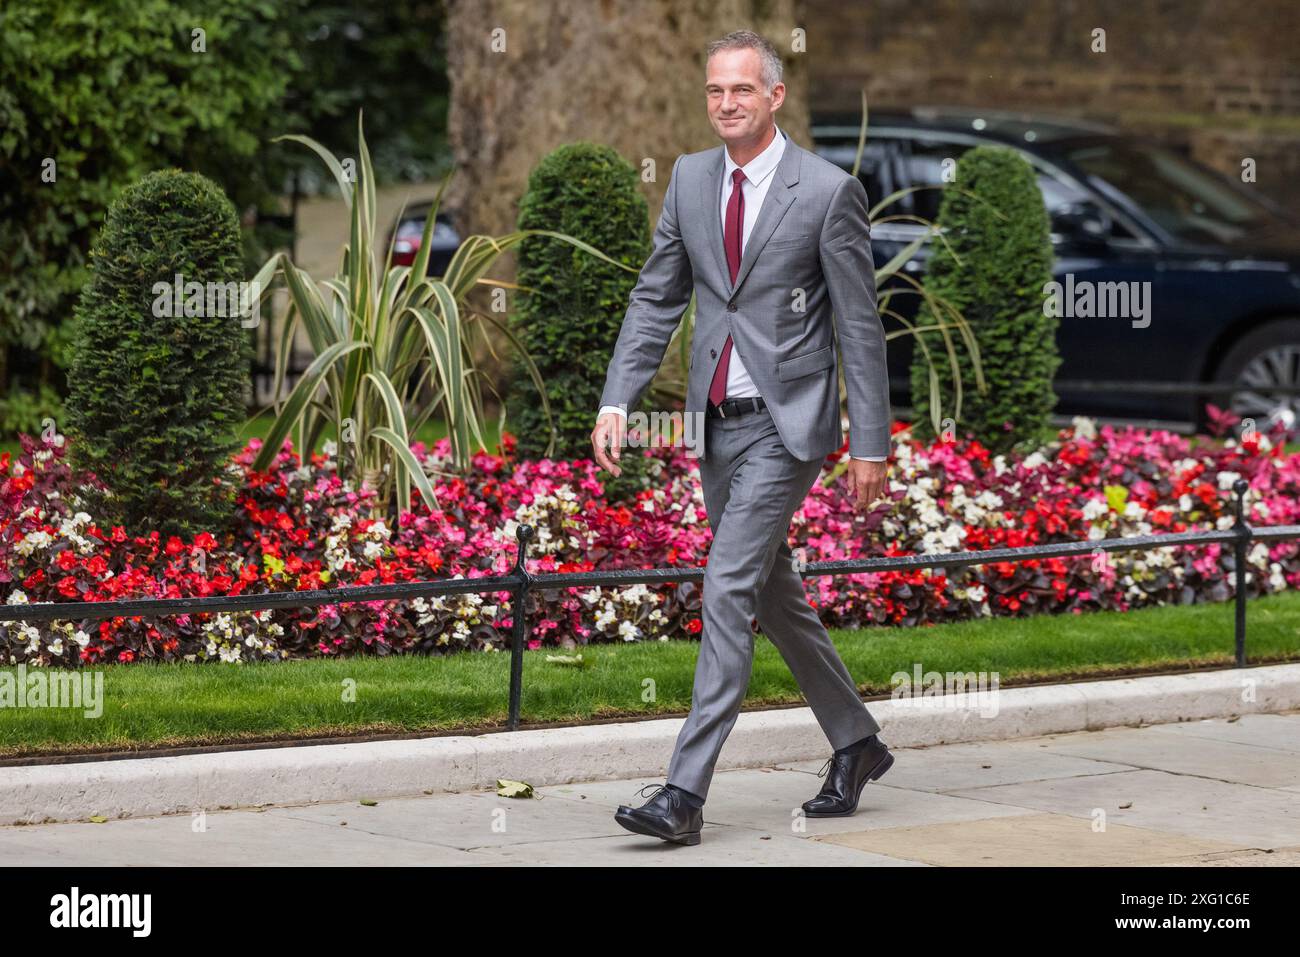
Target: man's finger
[{"x": 601, "y": 441}]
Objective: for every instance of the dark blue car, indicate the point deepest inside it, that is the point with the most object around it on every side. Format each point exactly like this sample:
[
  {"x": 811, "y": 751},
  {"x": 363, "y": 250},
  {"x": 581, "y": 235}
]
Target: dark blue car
[{"x": 1221, "y": 260}]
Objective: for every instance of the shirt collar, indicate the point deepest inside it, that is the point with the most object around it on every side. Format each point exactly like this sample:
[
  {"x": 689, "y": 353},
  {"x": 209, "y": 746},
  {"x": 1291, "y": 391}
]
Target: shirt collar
[{"x": 762, "y": 165}]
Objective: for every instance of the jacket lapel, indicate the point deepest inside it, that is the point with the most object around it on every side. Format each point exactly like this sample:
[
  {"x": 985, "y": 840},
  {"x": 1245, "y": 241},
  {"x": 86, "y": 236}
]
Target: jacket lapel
[
  {"x": 710, "y": 202},
  {"x": 780, "y": 194}
]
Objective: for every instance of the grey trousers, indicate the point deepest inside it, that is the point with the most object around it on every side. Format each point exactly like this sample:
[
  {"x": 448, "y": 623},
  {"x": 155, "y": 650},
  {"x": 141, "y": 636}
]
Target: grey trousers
[{"x": 752, "y": 487}]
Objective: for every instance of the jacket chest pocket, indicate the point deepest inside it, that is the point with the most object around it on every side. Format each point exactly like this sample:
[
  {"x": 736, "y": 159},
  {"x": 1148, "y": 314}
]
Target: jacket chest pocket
[{"x": 791, "y": 242}]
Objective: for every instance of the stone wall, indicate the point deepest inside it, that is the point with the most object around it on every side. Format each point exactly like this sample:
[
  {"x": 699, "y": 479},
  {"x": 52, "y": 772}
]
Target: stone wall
[{"x": 1218, "y": 79}]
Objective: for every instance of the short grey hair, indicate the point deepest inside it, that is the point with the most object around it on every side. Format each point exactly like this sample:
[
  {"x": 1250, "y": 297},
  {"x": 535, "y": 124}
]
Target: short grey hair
[{"x": 748, "y": 40}]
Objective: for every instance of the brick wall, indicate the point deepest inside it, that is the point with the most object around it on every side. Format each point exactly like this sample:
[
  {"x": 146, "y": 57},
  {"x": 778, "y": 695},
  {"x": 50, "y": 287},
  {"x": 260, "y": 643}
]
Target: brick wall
[{"x": 1218, "y": 79}]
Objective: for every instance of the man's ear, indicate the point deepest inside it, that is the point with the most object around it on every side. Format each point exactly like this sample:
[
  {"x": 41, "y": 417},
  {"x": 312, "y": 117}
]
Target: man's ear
[{"x": 778, "y": 96}]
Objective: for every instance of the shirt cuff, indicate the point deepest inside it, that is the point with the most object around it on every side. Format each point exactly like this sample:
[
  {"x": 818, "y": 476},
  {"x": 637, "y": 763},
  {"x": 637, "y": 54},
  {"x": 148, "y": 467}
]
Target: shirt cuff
[{"x": 869, "y": 458}]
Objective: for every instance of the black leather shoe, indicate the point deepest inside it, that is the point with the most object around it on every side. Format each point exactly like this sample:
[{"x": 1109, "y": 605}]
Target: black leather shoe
[
  {"x": 849, "y": 774},
  {"x": 665, "y": 816}
]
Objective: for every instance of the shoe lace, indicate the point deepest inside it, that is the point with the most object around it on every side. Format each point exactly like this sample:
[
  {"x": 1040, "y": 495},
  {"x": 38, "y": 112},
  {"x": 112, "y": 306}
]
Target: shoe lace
[
  {"x": 827, "y": 766},
  {"x": 657, "y": 789}
]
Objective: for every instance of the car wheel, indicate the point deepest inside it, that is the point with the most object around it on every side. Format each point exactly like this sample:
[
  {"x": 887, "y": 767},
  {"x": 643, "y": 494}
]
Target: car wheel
[{"x": 1265, "y": 359}]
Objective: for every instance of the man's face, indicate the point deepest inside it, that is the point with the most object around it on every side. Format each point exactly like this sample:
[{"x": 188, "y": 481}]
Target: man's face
[{"x": 738, "y": 108}]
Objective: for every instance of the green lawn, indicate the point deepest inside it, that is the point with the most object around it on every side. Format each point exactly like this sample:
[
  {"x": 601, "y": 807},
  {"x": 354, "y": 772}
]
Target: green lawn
[{"x": 160, "y": 705}]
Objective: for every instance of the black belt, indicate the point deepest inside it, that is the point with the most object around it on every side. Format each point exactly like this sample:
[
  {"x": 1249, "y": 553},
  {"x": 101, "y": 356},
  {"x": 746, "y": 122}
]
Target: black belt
[{"x": 729, "y": 407}]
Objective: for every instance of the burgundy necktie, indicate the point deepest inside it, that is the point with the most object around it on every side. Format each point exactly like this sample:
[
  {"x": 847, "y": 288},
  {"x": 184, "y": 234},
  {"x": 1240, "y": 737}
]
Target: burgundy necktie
[{"x": 731, "y": 234}]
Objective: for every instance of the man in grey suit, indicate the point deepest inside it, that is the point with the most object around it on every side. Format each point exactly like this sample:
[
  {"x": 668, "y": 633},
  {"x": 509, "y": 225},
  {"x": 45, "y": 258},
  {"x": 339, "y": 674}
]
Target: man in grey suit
[{"x": 772, "y": 239}]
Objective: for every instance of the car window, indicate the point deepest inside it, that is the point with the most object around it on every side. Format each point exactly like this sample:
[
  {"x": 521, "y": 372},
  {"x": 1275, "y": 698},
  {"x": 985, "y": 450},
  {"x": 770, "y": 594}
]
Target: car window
[
  {"x": 1059, "y": 193},
  {"x": 930, "y": 163},
  {"x": 1185, "y": 199}
]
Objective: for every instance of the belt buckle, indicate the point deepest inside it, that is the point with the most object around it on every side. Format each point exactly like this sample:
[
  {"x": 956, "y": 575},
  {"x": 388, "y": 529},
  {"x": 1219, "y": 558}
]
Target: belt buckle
[{"x": 721, "y": 412}]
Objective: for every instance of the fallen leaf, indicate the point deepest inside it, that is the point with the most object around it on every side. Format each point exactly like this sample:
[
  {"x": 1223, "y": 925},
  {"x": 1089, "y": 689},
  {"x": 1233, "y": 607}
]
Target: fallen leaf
[{"x": 513, "y": 789}]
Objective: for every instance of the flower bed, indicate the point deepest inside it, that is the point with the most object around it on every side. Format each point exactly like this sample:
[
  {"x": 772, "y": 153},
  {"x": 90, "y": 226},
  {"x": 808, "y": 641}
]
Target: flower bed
[{"x": 303, "y": 527}]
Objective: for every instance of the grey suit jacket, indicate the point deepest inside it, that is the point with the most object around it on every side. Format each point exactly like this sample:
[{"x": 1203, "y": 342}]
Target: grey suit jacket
[{"x": 808, "y": 256}]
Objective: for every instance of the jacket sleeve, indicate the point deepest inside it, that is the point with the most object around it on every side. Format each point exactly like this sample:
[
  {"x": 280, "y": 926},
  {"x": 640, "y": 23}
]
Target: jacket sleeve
[
  {"x": 662, "y": 293},
  {"x": 845, "y": 250}
]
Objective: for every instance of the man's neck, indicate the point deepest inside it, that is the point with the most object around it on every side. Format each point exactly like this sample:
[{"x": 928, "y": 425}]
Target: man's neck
[{"x": 740, "y": 155}]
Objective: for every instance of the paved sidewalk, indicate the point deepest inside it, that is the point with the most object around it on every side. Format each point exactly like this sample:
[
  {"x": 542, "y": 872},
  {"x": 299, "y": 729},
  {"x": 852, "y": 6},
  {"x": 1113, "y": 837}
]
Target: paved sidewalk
[{"x": 1214, "y": 793}]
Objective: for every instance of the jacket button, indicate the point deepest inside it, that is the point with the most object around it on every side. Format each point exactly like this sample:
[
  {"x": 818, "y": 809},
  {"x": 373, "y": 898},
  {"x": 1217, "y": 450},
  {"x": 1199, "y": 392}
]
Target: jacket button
[
  {"x": 731, "y": 307},
  {"x": 713, "y": 353}
]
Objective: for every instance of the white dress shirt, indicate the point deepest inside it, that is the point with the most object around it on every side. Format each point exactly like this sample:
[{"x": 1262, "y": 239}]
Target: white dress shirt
[{"x": 758, "y": 177}]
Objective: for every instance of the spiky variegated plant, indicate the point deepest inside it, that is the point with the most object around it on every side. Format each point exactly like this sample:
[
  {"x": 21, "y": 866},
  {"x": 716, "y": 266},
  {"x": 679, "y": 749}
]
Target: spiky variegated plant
[{"x": 392, "y": 346}]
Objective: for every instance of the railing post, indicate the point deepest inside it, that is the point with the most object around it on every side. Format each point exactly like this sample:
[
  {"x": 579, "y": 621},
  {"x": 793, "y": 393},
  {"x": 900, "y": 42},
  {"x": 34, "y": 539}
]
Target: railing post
[
  {"x": 523, "y": 535},
  {"x": 1244, "y": 535}
]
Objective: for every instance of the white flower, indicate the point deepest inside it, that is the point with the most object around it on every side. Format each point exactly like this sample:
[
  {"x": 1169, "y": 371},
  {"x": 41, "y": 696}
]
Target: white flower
[
  {"x": 56, "y": 646},
  {"x": 1226, "y": 479},
  {"x": 17, "y": 597},
  {"x": 1084, "y": 427},
  {"x": 1095, "y": 508},
  {"x": 33, "y": 541},
  {"x": 629, "y": 631},
  {"x": 81, "y": 638}
]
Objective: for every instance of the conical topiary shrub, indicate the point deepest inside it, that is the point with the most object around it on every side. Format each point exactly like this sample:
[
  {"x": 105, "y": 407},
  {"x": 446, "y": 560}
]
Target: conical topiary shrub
[
  {"x": 994, "y": 218},
  {"x": 570, "y": 318},
  {"x": 160, "y": 357}
]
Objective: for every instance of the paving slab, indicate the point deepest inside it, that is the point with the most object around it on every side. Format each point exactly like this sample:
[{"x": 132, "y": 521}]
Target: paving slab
[
  {"x": 1028, "y": 840},
  {"x": 1258, "y": 730},
  {"x": 231, "y": 838},
  {"x": 1195, "y": 806},
  {"x": 1224, "y": 760},
  {"x": 951, "y": 767}
]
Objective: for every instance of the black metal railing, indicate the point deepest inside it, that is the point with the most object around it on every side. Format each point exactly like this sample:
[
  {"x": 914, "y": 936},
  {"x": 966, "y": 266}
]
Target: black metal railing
[{"x": 520, "y": 582}]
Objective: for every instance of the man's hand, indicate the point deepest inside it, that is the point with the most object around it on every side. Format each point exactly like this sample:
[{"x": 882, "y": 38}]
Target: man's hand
[
  {"x": 866, "y": 482},
  {"x": 606, "y": 440}
]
